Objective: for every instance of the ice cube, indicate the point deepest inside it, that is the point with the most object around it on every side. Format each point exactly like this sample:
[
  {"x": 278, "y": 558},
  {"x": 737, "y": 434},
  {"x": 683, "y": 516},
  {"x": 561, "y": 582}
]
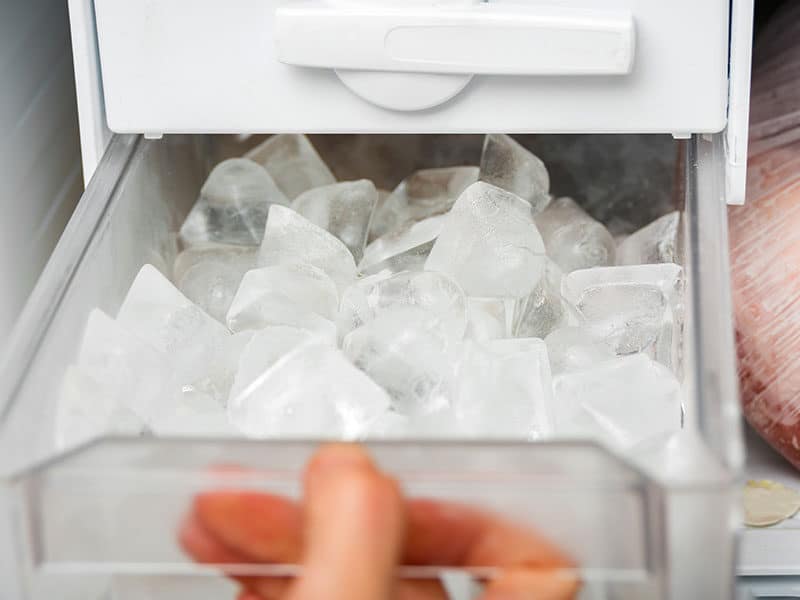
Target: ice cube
[
  {"x": 133, "y": 373},
  {"x": 443, "y": 423},
  {"x": 177, "y": 358},
  {"x": 440, "y": 297},
  {"x": 390, "y": 425},
  {"x": 408, "y": 243},
  {"x": 636, "y": 308},
  {"x": 543, "y": 310},
  {"x": 383, "y": 196},
  {"x": 167, "y": 391},
  {"x": 400, "y": 351},
  {"x": 654, "y": 243},
  {"x": 682, "y": 457},
  {"x": 344, "y": 209},
  {"x": 574, "y": 348},
  {"x": 489, "y": 244},
  {"x": 240, "y": 258},
  {"x": 631, "y": 315},
  {"x": 422, "y": 195},
  {"x": 233, "y": 204},
  {"x": 574, "y": 240},
  {"x": 668, "y": 348},
  {"x": 668, "y": 278},
  {"x": 408, "y": 260},
  {"x": 313, "y": 391},
  {"x": 266, "y": 347},
  {"x": 213, "y": 387},
  {"x": 88, "y": 409},
  {"x": 209, "y": 277},
  {"x": 357, "y": 304},
  {"x": 622, "y": 402},
  {"x": 489, "y": 318},
  {"x": 293, "y": 162},
  {"x": 201, "y": 415},
  {"x": 160, "y": 314},
  {"x": 504, "y": 389},
  {"x": 191, "y": 339},
  {"x": 292, "y": 239},
  {"x": 298, "y": 295},
  {"x": 508, "y": 165}
]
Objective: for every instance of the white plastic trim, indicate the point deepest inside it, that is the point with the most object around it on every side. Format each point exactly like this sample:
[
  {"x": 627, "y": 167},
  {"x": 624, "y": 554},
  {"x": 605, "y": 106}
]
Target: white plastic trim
[
  {"x": 741, "y": 46},
  {"x": 95, "y": 135}
]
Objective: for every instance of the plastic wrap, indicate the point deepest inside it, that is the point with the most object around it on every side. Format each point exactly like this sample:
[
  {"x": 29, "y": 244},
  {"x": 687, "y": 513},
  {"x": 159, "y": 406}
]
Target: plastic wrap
[{"x": 765, "y": 241}]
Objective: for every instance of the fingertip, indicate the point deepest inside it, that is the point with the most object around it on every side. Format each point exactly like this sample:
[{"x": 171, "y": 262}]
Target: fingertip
[
  {"x": 354, "y": 490},
  {"x": 338, "y": 456},
  {"x": 189, "y": 536},
  {"x": 201, "y": 546},
  {"x": 345, "y": 473},
  {"x": 354, "y": 523}
]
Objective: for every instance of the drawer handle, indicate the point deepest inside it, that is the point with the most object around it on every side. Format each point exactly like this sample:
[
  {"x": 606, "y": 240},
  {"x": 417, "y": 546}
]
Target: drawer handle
[{"x": 502, "y": 38}]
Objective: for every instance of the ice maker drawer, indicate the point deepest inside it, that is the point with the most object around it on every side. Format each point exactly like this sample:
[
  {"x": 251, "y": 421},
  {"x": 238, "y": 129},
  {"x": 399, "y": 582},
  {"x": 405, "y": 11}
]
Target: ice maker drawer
[{"x": 104, "y": 516}]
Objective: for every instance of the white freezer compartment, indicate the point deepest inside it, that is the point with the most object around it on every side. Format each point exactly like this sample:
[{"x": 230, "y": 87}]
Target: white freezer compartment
[
  {"x": 102, "y": 520},
  {"x": 204, "y": 66}
]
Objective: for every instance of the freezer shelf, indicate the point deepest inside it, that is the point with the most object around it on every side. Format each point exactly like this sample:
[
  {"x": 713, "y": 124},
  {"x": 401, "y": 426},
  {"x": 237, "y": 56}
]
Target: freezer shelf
[
  {"x": 106, "y": 515},
  {"x": 775, "y": 588},
  {"x": 768, "y": 555}
]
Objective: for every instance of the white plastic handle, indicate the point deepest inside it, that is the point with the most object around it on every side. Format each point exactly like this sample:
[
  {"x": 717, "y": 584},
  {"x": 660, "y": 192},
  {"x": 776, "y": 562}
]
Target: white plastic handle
[{"x": 482, "y": 38}]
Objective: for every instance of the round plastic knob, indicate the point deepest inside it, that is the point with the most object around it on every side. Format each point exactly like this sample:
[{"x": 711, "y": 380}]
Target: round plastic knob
[{"x": 403, "y": 91}]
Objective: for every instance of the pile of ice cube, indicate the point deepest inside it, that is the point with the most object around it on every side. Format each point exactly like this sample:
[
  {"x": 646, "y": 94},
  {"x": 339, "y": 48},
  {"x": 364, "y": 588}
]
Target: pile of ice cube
[{"x": 468, "y": 303}]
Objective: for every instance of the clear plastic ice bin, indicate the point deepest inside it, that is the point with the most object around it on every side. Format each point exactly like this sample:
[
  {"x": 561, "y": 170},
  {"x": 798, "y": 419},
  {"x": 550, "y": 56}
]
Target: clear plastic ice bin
[{"x": 100, "y": 521}]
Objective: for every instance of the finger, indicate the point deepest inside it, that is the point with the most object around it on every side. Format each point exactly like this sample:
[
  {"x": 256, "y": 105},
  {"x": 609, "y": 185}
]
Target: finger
[
  {"x": 440, "y": 533},
  {"x": 354, "y": 528},
  {"x": 450, "y": 534},
  {"x": 263, "y": 527},
  {"x": 205, "y": 548},
  {"x": 529, "y": 584},
  {"x": 202, "y": 546}
]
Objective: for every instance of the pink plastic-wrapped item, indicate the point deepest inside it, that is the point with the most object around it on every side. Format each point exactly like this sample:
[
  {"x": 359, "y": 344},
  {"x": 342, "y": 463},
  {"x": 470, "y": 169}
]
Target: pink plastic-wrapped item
[{"x": 765, "y": 241}]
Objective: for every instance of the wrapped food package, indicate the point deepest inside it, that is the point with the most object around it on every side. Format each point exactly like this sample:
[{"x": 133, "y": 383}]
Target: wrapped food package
[{"x": 765, "y": 241}]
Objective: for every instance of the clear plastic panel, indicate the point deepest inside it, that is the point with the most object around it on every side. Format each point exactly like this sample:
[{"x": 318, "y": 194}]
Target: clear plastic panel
[
  {"x": 126, "y": 498},
  {"x": 105, "y": 517}
]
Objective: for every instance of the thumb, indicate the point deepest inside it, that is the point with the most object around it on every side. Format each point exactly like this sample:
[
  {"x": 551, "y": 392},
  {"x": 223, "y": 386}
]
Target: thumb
[{"x": 354, "y": 528}]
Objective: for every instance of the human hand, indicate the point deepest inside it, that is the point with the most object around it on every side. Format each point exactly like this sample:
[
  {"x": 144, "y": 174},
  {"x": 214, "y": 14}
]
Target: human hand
[{"x": 353, "y": 530}]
